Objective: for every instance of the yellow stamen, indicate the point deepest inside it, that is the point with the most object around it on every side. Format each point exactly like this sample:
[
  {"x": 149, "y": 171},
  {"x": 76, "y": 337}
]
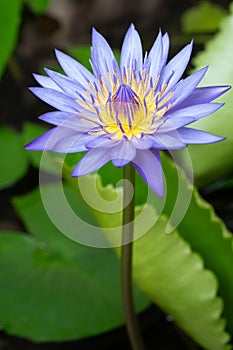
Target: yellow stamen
[{"x": 142, "y": 114}]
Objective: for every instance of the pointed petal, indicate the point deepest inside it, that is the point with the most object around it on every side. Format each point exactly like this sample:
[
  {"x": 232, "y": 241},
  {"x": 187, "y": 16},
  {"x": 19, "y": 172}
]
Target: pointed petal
[
  {"x": 188, "y": 115},
  {"x": 92, "y": 161},
  {"x": 55, "y": 118},
  {"x": 123, "y": 153},
  {"x": 185, "y": 87},
  {"x": 48, "y": 140},
  {"x": 67, "y": 120},
  {"x": 56, "y": 99},
  {"x": 46, "y": 82},
  {"x": 166, "y": 45},
  {"x": 68, "y": 85},
  {"x": 148, "y": 164},
  {"x": 175, "y": 68},
  {"x": 102, "y": 57},
  {"x": 131, "y": 52},
  {"x": 195, "y": 136},
  {"x": 72, "y": 144},
  {"x": 74, "y": 69},
  {"x": 204, "y": 95},
  {"x": 154, "y": 61}
]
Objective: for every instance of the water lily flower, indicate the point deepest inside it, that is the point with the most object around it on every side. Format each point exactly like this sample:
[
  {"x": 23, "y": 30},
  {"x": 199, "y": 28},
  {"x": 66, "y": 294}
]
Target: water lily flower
[{"x": 128, "y": 112}]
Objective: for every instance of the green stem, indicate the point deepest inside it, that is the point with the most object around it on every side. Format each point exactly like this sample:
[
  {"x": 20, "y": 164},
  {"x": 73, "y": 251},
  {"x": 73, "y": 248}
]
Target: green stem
[{"x": 126, "y": 260}]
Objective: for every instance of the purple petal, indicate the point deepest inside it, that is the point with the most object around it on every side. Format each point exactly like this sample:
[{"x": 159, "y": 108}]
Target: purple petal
[
  {"x": 188, "y": 115},
  {"x": 101, "y": 141},
  {"x": 125, "y": 94},
  {"x": 166, "y": 45},
  {"x": 185, "y": 87},
  {"x": 74, "y": 69},
  {"x": 56, "y": 99},
  {"x": 92, "y": 161},
  {"x": 151, "y": 64},
  {"x": 195, "y": 136},
  {"x": 148, "y": 164},
  {"x": 173, "y": 71},
  {"x": 103, "y": 59},
  {"x": 131, "y": 52},
  {"x": 68, "y": 120},
  {"x": 204, "y": 95},
  {"x": 68, "y": 85},
  {"x": 123, "y": 153},
  {"x": 144, "y": 142},
  {"x": 46, "y": 82},
  {"x": 48, "y": 140},
  {"x": 166, "y": 141},
  {"x": 56, "y": 117},
  {"x": 72, "y": 144}
]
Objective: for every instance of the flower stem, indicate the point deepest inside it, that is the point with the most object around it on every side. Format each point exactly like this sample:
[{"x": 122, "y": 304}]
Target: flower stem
[{"x": 126, "y": 260}]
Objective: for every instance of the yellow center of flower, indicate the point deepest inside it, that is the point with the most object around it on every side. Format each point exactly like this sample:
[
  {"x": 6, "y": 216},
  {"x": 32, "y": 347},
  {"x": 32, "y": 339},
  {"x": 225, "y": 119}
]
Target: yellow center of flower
[{"x": 131, "y": 108}]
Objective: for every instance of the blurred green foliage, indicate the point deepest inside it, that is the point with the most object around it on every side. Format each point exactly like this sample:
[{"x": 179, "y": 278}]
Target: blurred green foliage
[
  {"x": 38, "y": 6},
  {"x": 205, "y": 17},
  {"x": 10, "y": 18},
  {"x": 211, "y": 162},
  {"x": 13, "y": 160},
  {"x": 185, "y": 262},
  {"x": 188, "y": 273}
]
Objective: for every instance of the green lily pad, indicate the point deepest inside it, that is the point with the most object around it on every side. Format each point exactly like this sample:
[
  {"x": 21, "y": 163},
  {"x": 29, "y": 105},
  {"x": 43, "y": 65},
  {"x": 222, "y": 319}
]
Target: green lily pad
[
  {"x": 206, "y": 233},
  {"x": 205, "y": 17},
  {"x": 13, "y": 160},
  {"x": 10, "y": 17},
  {"x": 174, "y": 277},
  {"x": 213, "y": 161},
  {"x": 200, "y": 229},
  {"x": 59, "y": 289}
]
